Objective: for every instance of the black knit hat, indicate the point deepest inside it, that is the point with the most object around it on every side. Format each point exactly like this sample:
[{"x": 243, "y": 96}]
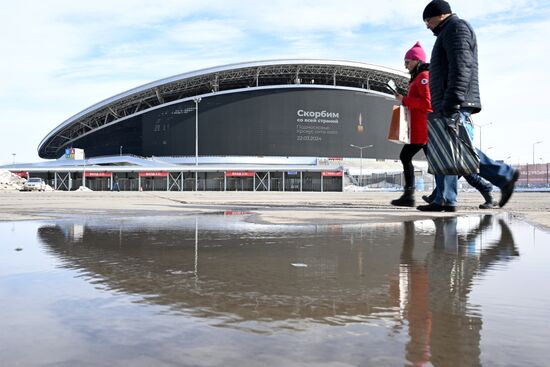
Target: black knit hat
[{"x": 435, "y": 8}]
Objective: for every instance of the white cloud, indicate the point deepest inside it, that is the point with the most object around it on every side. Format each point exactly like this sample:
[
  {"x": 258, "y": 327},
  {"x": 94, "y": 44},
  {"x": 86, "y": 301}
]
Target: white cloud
[
  {"x": 61, "y": 56},
  {"x": 513, "y": 77}
]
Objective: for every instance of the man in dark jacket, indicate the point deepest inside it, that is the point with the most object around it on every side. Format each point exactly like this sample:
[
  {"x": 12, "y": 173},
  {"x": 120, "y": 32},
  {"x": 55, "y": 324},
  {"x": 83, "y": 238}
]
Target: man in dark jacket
[{"x": 454, "y": 88}]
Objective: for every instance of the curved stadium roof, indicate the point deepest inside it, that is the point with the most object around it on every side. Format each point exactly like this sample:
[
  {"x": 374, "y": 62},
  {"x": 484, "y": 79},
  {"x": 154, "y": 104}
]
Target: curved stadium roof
[{"x": 248, "y": 75}]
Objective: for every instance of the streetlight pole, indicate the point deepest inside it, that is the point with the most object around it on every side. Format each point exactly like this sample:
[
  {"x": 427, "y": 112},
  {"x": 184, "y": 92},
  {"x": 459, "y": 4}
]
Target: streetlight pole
[
  {"x": 480, "y": 126},
  {"x": 197, "y": 101},
  {"x": 13, "y": 154},
  {"x": 538, "y": 142},
  {"x": 361, "y": 160},
  {"x": 121, "y": 150}
]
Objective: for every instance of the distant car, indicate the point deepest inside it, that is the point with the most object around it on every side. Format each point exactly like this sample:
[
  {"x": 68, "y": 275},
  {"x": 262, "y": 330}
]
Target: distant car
[{"x": 34, "y": 184}]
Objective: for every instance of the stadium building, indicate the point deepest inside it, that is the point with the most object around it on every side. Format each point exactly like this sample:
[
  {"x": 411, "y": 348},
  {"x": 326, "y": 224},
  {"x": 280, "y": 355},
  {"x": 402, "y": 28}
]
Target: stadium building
[{"x": 269, "y": 125}]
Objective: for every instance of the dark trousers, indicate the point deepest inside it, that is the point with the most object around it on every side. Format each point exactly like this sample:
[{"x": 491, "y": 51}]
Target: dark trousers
[{"x": 406, "y": 155}]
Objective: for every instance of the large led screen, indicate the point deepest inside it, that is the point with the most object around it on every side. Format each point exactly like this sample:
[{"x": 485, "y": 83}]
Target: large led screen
[{"x": 314, "y": 122}]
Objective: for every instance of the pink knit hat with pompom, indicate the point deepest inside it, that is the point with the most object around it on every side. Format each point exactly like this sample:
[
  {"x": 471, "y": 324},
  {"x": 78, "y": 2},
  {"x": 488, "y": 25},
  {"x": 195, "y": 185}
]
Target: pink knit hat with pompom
[{"x": 416, "y": 53}]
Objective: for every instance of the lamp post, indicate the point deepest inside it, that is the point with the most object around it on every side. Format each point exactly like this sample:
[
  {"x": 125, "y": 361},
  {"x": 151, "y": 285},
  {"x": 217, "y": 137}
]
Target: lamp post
[
  {"x": 13, "y": 154},
  {"x": 121, "y": 150},
  {"x": 480, "y": 126},
  {"x": 538, "y": 142},
  {"x": 197, "y": 101},
  {"x": 361, "y": 160}
]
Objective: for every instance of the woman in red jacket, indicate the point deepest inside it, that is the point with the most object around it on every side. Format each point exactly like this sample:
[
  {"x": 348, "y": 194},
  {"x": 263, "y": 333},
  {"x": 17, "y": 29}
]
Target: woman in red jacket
[{"x": 418, "y": 103}]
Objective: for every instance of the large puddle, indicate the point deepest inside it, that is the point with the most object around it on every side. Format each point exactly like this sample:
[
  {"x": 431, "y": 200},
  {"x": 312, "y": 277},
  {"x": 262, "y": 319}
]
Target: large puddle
[{"x": 215, "y": 290}]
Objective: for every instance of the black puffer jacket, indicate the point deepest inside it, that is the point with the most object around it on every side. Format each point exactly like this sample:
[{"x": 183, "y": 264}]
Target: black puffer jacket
[{"x": 454, "y": 79}]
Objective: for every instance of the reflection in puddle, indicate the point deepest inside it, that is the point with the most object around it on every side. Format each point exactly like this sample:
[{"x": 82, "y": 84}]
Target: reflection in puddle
[{"x": 217, "y": 290}]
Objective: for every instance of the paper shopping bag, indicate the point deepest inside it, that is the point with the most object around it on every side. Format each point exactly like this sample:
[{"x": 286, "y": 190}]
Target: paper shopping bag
[{"x": 399, "y": 126}]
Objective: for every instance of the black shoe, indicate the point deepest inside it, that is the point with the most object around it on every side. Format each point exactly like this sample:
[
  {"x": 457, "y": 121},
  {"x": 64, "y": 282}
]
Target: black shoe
[
  {"x": 488, "y": 205},
  {"x": 489, "y": 202},
  {"x": 407, "y": 199},
  {"x": 403, "y": 201},
  {"x": 507, "y": 190},
  {"x": 427, "y": 199},
  {"x": 432, "y": 207}
]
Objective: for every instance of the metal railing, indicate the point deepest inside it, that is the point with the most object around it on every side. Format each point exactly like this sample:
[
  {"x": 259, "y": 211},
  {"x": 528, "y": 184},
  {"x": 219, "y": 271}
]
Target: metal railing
[{"x": 533, "y": 177}]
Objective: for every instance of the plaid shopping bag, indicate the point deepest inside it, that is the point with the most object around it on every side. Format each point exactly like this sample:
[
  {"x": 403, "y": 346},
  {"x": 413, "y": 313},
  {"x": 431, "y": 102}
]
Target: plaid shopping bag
[{"x": 450, "y": 150}]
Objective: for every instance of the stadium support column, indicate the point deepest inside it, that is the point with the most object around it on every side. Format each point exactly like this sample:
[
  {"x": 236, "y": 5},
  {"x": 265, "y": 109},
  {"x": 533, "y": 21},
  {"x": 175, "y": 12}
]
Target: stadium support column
[{"x": 197, "y": 101}]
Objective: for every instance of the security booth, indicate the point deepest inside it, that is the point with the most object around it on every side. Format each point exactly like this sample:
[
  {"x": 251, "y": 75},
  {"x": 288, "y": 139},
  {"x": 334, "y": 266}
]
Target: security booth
[
  {"x": 153, "y": 181},
  {"x": 239, "y": 180},
  {"x": 293, "y": 181},
  {"x": 98, "y": 181},
  {"x": 311, "y": 181},
  {"x": 276, "y": 181},
  {"x": 332, "y": 181}
]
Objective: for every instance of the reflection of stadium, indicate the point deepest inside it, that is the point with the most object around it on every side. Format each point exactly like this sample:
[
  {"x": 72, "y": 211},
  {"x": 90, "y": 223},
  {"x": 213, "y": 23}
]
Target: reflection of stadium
[
  {"x": 415, "y": 277},
  {"x": 273, "y": 120},
  {"x": 218, "y": 264}
]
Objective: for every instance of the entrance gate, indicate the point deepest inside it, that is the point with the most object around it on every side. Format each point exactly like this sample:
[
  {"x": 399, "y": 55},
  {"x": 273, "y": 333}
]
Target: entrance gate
[
  {"x": 239, "y": 180},
  {"x": 98, "y": 181},
  {"x": 153, "y": 181}
]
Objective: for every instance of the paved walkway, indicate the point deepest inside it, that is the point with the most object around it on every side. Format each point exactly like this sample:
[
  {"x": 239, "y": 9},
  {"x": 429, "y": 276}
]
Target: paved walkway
[{"x": 269, "y": 207}]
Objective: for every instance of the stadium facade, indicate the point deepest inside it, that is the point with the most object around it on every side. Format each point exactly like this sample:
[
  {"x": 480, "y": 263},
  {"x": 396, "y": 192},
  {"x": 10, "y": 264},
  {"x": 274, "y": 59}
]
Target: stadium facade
[{"x": 268, "y": 120}]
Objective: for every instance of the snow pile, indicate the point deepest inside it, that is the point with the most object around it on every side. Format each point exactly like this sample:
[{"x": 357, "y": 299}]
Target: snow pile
[
  {"x": 10, "y": 181},
  {"x": 83, "y": 188},
  {"x": 355, "y": 188}
]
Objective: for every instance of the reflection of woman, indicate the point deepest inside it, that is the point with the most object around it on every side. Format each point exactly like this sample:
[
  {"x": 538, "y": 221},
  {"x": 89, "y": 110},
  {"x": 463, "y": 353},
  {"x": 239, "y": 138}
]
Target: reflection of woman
[
  {"x": 418, "y": 103},
  {"x": 418, "y": 313}
]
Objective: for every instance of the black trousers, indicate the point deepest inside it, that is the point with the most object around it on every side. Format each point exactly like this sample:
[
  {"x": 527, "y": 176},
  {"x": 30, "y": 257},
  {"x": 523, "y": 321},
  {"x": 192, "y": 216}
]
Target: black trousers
[{"x": 406, "y": 155}]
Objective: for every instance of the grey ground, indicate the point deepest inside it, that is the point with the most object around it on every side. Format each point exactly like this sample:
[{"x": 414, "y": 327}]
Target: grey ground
[{"x": 267, "y": 207}]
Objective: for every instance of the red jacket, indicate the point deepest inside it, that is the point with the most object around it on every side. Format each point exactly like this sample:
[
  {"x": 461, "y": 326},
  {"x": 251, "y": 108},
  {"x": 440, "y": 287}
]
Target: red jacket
[{"x": 419, "y": 104}]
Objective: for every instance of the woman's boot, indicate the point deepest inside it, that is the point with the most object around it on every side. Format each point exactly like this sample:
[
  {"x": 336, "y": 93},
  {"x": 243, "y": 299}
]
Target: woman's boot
[{"x": 407, "y": 199}]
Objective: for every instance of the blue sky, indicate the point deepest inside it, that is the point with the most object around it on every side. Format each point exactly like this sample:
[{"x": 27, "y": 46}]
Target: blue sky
[{"x": 60, "y": 56}]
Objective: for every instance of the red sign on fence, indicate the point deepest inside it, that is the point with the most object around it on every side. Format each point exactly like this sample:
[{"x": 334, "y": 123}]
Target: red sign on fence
[
  {"x": 239, "y": 174},
  {"x": 97, "y": 174},
  {"x": 153, "y": 174},
  {"x": 332, "y": 173}
]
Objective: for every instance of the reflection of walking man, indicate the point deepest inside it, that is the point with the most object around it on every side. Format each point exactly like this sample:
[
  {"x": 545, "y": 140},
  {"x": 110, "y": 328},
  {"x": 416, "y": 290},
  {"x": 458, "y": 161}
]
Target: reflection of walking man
[
  {"x": 454, "y": 90},
  {"x": 443, "y": 328}
]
